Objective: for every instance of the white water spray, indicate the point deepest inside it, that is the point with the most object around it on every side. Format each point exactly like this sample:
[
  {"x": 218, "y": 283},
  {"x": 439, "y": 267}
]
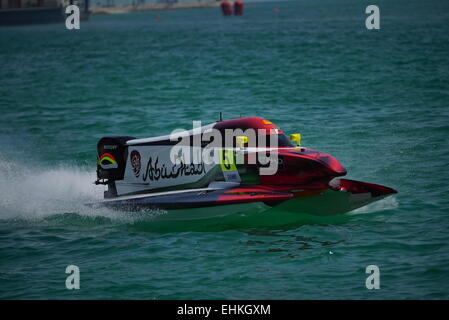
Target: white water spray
[{"x": 35, "y": 192}]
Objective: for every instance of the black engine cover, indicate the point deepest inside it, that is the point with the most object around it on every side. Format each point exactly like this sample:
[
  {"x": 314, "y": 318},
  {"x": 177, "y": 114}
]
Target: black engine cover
[{"x": 111, "y": 159}]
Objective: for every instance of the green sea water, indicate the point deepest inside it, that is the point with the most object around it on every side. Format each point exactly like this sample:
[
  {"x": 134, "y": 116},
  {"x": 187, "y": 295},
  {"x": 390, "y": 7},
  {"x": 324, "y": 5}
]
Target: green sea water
[{"x": 378, "y": 100}]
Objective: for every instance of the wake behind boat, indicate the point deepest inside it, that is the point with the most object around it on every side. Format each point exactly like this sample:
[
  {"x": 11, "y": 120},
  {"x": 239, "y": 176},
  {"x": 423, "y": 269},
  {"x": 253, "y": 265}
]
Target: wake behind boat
[{"x": 256, "y": 166}]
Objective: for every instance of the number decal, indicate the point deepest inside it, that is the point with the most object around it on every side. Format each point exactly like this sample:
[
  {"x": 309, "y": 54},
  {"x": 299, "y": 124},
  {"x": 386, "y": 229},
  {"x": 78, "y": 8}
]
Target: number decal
[
  {"x": 227, "y": 160},
  {"x": 227, "y": 163}
]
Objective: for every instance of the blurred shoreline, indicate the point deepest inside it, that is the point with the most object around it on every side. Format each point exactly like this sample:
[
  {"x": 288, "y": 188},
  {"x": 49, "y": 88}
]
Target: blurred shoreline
[{"x": 154, "y": 7}]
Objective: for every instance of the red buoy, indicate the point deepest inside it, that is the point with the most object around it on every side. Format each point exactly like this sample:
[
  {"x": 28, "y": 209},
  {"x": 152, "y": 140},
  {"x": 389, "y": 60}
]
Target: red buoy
[
  {"x": 226, "y": 8},
  {"x": 238, "y": 8}
]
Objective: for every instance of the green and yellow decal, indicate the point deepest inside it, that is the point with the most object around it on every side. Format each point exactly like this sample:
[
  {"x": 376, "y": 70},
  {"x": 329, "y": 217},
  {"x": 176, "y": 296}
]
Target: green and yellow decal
[
  {"x": 227, "y": 163},
  {"x": 107, "y": 161},
  {"x": 227, "y": 160}
]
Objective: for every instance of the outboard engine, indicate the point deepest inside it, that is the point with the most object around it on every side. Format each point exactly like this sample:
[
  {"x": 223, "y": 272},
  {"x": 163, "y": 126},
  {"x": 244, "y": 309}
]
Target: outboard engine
[{"x": 111, "y": 162}]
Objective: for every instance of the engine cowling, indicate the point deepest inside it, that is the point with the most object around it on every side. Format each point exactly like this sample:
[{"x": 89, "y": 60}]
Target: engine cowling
[{"x": 111, "y": 158}]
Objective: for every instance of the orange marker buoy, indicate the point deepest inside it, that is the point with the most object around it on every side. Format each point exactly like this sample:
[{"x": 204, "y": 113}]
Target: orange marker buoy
[
  {"x": 157, "y": 16},
  {"x": 238, "y": 8},
  {"x": 226, "y": 8}
]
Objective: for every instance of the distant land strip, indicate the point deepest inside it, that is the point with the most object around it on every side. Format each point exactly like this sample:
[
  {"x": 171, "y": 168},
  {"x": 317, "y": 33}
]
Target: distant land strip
[{"x": 154, "y": 7}]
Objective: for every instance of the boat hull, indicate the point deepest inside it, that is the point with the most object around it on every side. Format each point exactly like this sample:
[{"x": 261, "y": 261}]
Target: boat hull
[{"x": 209, "y": 208}]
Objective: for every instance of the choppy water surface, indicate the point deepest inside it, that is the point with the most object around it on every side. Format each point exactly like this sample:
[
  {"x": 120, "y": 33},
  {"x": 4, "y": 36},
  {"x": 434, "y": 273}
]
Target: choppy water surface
[{"x": 377, "y": 100}]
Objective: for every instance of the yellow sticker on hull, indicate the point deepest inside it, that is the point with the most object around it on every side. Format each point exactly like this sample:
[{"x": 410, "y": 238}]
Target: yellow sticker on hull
[{"x": 227, "y": 160}]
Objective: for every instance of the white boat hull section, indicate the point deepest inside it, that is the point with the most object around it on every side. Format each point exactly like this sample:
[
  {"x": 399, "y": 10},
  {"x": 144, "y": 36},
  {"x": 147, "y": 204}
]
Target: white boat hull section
[{"x": 150, "y": 167}]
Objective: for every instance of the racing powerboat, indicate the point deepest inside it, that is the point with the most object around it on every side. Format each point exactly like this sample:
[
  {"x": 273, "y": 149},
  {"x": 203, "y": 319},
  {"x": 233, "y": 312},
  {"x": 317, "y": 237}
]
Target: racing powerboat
[{"x": 251, "y": 164}]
